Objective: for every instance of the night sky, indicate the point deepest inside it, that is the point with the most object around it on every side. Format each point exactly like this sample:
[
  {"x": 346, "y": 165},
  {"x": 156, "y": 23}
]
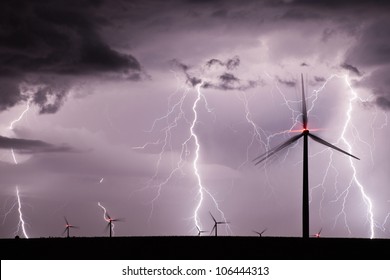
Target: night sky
[{"x": 104, "y": 95}]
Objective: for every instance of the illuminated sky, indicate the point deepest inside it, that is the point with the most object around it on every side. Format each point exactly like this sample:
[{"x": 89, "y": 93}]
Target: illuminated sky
[{"x": 96, "y": 75}]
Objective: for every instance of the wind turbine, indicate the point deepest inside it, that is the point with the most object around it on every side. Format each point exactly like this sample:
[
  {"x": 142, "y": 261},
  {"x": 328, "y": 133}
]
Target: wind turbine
[
  {"x": 215, "y": 227},
  {"x": 318, "y": 234},
  {"x": 260, "y": 233},
  {"x": 200, "y": 231},
  {"x": 110, "y": 222},
  {"x": 305, "y": 134},
  {"x": 68, "y": 227}
]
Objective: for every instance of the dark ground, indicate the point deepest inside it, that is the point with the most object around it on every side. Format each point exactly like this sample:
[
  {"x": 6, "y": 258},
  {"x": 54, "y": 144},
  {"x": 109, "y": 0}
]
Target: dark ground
[{"x": 187, "y": 248}]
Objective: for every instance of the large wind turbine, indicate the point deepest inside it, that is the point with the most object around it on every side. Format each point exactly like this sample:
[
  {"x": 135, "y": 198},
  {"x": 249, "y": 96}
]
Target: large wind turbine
[
  {"x": 305, "y": 134},
  {"x": 68, "y": 227}
]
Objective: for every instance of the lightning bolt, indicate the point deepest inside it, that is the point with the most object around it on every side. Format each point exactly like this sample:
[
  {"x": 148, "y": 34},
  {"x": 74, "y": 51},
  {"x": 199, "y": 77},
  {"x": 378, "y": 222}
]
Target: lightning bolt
[
  {"x": 11, "y": 127},
  {"x": 366, "y": 199},
  {"x": 106, "y": 217},
  {"x": 174, "y": 117},
  {"x": 201, "y": 189},
  {"x": 21, "y": 224}
]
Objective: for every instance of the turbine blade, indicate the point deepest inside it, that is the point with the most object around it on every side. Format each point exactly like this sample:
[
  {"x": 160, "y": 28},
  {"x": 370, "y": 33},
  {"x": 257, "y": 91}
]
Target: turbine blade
[
  {"x": 213, "y": 217},
  {"x": 64, "y": 230},
  {"x": 304, "y": 109},
  {"x": 323, "y": 142},
  {"x": 276, "y": 149},
  {"x": 256, "y": 232},
  {"x": 320, "y": 231},
  {"x": 66, "y": 221},
  {"x": 108, "y": 216},
  {"x": 263, "y": 231}
]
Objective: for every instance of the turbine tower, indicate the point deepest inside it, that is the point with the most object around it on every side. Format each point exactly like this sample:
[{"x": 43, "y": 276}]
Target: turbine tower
[
  {"x": 215, "y": 227},
  {"x": 305, "y": 134},
  {"x": 68, "y": 227}
]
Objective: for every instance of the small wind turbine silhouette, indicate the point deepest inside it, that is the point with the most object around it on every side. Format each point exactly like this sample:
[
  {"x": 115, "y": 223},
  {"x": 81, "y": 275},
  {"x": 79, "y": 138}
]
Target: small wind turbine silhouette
[
  {"x": 260, "y": 233},
  {"x": 110, "y": 222},
  {"x": 200, "y": 231},
  {"x": 68, "y": 227},
  {"x": 305, "y": 134},
  {"x": 318, "y": 234},
  {"x": 215, "y": 227}
]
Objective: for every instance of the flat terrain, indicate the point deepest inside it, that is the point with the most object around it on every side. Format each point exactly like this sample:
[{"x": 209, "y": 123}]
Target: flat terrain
[{"x": 203, "y": 247}]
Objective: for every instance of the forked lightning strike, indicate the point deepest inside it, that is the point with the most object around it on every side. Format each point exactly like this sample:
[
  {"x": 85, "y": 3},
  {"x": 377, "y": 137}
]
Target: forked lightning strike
[
  {"x": 21, "y": 223},
  {"x": 174, "y": 117}
]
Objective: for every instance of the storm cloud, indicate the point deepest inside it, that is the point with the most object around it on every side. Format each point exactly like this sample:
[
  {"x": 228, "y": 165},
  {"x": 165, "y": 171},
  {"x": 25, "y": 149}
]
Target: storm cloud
[
  {"x": 55, "y": 39},
  {"x": 27, "y": 146}
]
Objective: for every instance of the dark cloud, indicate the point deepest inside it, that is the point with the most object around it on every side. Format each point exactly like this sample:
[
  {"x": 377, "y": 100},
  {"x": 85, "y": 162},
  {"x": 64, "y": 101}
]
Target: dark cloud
[
  {"x": 289, "y": 83},
  {"x": 228, "y": 78},
  {"x": 338, "y": 3},
  {"x": 222, "y": 13},
  {"x": 378, "y": 82},
  {"x": 9, "y": 93},
  {"x": 319, "y": 79},
  {"x": 229, "y": 64},
  {"x": 301, "y": 15},
  {"x": 373, "y": 51},
  {"x": 55, "y": 38},
  {"x": 190, "y": 79},
  {"x": 373, "y": 48},
  {"x": 224, "y": 81},
  {"x": 351, "y": 68},
  {"x": 383, "y": 102},
  {"x": 214, "y": 61},
  {"x": 27, "y": 146}
]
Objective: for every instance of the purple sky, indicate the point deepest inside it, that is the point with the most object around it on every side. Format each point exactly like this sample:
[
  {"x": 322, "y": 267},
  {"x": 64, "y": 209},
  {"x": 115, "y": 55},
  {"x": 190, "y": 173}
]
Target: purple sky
[{"x": 96, "y": 76}]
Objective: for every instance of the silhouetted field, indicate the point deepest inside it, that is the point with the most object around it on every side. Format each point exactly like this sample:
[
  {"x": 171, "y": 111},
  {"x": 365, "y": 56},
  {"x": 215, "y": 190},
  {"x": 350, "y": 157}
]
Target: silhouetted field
[{"x": 185, "y": 247}]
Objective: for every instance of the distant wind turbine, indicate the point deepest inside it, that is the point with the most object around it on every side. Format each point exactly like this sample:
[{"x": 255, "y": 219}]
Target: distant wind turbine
[
  {"x": 260, "y": 233},
  {"x": 305, "y": 134},
  {"x": 215, "y": 227},
  {"x": 110, "y": 221},
  {"x": 200, "y": 231},
  {"x": 68, "y": 227},
  {"x": 318, "y": 234}
]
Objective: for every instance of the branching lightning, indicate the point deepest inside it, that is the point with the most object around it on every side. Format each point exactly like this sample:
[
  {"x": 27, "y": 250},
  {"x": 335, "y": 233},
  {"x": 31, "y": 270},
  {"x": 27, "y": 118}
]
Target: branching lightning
[
  {"x": 21, "y": 223},
  {"x": 354, "y": 180},
  {"x": 175, "y": 116}
]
